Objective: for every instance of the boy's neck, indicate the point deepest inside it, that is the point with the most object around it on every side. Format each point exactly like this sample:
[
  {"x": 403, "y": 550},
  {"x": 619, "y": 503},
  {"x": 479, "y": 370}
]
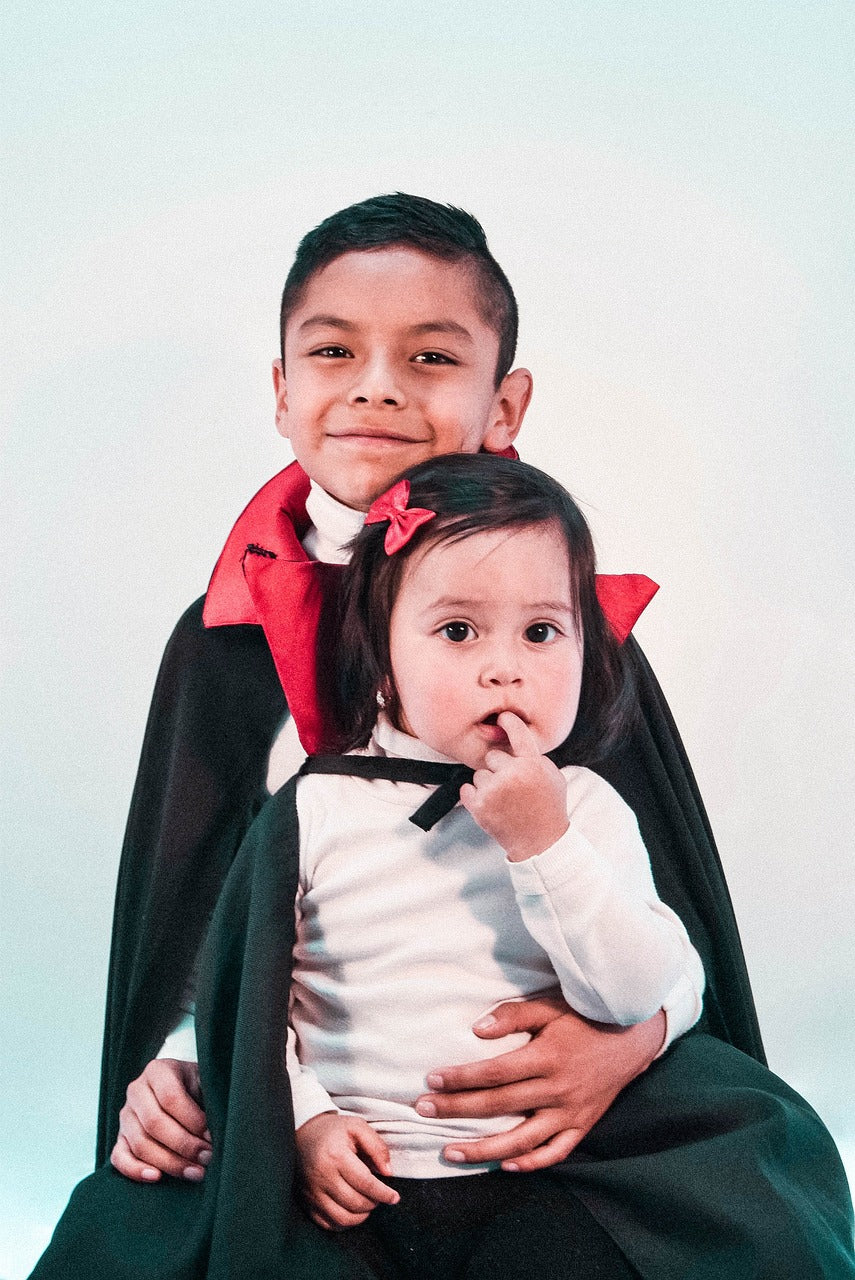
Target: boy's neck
[{"x": 333, "y": 526}]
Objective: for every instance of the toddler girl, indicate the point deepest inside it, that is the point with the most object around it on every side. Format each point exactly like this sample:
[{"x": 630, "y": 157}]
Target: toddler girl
[{"x": 471, "y": 635}]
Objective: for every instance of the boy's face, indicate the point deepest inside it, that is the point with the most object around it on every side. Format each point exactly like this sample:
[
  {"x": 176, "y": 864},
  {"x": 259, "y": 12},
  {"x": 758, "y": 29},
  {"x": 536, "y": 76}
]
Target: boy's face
[
  {"x": 387, "y": 363},
  {"x": 481, "y": 626}
]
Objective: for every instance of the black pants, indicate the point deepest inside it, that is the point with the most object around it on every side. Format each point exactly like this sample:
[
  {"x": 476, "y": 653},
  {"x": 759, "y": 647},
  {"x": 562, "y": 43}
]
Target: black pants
[{"x": 486, "y": 1226}]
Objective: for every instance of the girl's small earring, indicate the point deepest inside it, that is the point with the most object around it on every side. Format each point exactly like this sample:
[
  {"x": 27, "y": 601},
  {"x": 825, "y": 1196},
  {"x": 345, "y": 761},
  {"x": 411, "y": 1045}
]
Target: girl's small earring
[{"x": 381, "y": 700}]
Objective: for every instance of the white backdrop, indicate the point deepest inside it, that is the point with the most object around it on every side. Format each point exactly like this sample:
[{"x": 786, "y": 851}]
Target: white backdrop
[{"x": 670, "y": 194}]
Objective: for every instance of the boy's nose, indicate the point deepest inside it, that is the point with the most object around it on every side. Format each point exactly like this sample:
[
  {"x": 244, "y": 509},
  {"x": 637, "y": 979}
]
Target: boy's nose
[{"x": 376, "y": 384}]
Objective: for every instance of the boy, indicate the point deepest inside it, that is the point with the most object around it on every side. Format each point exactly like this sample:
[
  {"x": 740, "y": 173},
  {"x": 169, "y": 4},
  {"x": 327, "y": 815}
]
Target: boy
[{"x": 398, "y": 333}]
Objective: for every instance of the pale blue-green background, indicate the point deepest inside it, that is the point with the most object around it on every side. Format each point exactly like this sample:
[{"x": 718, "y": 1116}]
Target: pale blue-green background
[{"x": 670, "y": 190}]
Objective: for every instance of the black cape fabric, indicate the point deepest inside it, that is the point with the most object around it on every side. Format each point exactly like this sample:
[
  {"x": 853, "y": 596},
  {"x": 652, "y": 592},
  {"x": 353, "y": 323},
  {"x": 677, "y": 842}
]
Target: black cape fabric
[{"x": 707, "y": 1167}]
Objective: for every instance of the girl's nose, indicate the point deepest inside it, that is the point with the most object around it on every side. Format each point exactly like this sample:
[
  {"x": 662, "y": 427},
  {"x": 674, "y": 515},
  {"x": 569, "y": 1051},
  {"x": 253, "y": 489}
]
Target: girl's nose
[
  {"x": 500, "y": 669},
  {"x": 375, "y": 384}
]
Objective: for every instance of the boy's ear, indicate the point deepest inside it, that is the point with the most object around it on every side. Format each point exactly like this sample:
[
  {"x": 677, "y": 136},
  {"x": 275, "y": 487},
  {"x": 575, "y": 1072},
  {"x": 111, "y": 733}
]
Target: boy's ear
[
  {"x": 508, "y": 410},
  {"x": 281, "y": 398}
]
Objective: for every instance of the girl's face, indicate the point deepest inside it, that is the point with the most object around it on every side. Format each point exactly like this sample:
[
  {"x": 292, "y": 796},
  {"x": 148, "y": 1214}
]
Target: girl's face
[{"x": 486, "y": 625}]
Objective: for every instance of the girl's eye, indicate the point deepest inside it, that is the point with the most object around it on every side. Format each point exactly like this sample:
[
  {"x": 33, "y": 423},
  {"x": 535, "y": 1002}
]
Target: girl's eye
[
  {"x": 432, "y": 357},
  {"x": 456, "y": 631},
  {"x": 333, "y": 352},
  {"x": 540, "y": 632}
]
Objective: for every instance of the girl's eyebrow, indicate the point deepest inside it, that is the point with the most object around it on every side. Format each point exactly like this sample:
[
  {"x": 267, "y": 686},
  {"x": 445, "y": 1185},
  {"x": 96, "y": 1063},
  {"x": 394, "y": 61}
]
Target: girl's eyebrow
[{"x": 533, "y": 606}]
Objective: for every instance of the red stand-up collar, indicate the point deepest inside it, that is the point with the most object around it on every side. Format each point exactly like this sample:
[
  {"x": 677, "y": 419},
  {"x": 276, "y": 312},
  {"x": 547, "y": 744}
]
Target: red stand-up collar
[
  {"x": 264, "y": 577},
  {"x": 623, "y": 598},
  {"x": 275, "y": 520}
]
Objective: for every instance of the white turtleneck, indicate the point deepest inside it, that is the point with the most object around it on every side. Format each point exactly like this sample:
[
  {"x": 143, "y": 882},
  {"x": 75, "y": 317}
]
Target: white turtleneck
[
  {"x": 405, "y": 937},
  {"x": 333, "y": 526}
]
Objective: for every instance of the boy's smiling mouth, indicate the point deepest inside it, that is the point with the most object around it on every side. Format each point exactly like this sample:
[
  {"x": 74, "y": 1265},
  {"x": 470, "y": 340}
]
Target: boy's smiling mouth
[{"x": 381, "y": 435}]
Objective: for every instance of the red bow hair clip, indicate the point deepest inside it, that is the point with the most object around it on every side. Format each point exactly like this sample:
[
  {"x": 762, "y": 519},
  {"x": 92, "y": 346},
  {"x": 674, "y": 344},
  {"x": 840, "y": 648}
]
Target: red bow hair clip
[{"x": 403, "y": 520}]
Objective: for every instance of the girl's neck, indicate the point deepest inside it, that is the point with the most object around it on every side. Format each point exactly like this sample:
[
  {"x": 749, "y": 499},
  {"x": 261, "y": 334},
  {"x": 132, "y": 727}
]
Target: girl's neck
[{"x": 386, "y": 740}]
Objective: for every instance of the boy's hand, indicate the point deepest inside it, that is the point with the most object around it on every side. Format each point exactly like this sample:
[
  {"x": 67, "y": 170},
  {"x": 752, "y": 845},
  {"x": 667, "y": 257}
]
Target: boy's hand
[
  {"x": 518, "y": 797},
  {"x": 162, "y": 1127},
  {"x": 566, "y": 1077},
  {"x": 338, "y": 1186}
]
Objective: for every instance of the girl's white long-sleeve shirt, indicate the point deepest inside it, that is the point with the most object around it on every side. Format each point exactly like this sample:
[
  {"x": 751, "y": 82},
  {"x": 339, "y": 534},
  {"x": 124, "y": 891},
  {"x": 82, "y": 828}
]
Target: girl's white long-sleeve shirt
[{"x": 404, "y": 938}]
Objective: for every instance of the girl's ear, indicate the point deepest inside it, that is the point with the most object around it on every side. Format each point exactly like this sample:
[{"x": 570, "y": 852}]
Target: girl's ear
[
  {"x": 385, "y": 694},
  {"x": 387, "y": 700}
]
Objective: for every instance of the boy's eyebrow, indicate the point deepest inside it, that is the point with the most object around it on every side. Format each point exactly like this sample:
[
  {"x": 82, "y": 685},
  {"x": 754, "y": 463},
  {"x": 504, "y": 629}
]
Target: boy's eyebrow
[
  {"x": 451, "y": 327},
  {"x": 441, "y": 326},
  {"x": 327, "y": 322}
]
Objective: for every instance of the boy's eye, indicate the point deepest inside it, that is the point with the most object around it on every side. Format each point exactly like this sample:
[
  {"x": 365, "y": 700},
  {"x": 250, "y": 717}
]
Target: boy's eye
[
  {"x": 432, "y": 357},
  {"x": 540, "y": 632},
  {"x": 333, "y": 352},
  {"x": 457, "y": 631}
]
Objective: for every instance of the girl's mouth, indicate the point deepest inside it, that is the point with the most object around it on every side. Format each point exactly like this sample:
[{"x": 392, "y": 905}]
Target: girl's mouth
[{"x": 493, "y": 731}]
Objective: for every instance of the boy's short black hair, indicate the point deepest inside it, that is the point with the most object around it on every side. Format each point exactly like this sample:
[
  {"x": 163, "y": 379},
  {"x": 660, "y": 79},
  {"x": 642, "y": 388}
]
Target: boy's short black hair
[
  {"x": 398, "y": 219},
  {"x": 474, "y": 493}
]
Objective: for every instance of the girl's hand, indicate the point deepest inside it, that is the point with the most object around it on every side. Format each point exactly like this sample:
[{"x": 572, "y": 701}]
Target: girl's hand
[
  {"x": 338, "y": 1186},
  {"x": 519, "y": 797},
  {"x": 162, "y": 1127}
]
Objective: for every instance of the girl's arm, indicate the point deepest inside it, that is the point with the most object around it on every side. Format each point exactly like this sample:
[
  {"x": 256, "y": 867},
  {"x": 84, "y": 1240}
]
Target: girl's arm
[
  {"x": 620, "y": 954},
  {"x": 337, "y": 1153},
  {"x": 584, "y": 885},
  {"x": 309, "y": 1096}
]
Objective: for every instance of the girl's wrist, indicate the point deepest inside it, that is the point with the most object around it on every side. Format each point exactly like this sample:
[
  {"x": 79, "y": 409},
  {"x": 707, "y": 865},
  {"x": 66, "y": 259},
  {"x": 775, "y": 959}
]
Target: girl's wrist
[{"x": 533, "y": 843}]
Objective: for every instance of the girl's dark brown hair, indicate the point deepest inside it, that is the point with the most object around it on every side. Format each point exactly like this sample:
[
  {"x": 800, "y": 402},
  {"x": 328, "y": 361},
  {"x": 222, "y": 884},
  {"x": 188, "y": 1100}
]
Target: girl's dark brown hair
[{"x": 475, "y": 493}]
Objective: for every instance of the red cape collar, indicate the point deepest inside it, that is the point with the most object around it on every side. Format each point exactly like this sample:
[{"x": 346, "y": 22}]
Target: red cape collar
[
  {"x": 275, "y": 520},
  {"x": 264, "y": 577}
]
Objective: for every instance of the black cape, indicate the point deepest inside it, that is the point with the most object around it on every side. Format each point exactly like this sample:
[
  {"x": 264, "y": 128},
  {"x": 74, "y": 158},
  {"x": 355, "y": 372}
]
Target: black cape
[{"x": 707, "y": 1167}]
